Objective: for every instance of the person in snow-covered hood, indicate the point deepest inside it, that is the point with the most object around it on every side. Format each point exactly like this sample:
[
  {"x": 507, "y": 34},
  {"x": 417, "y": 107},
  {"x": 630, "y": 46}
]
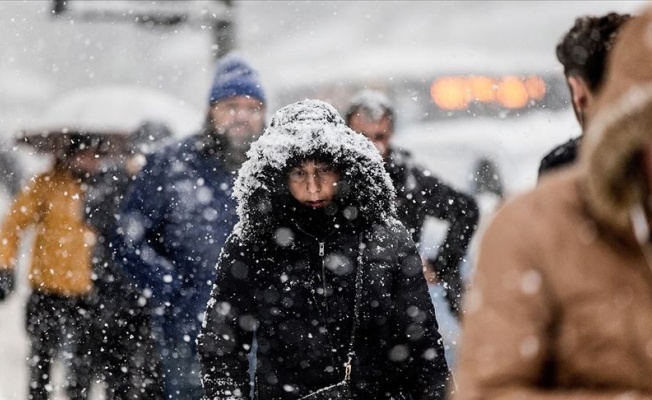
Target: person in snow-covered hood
[
  {"x": 583, "y": 53},
  {"x": 420, "y": 194},
  {"x": 319, "y": 269},
  {"x": 561, "y": 303},
  {"x": 179, "y": 212}
]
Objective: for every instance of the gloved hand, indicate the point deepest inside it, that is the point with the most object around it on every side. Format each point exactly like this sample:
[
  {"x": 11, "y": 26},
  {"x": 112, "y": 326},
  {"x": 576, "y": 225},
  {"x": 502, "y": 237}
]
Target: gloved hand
[{"x": 7, "y": 282}]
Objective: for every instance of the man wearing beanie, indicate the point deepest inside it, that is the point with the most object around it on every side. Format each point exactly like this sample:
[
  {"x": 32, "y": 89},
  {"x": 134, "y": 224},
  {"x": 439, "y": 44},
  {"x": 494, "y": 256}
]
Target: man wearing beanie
[
  {"x": 177, "y": 216},
  {"x": 561, "y": 302}
]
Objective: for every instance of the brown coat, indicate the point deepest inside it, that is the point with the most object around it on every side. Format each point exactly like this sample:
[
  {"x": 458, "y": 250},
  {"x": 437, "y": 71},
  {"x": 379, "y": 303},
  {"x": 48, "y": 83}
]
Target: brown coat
[
  {"x": 561, "y": 302},
  {"x": 61, "y": 255},
  {"x": 558, "y": 308}
]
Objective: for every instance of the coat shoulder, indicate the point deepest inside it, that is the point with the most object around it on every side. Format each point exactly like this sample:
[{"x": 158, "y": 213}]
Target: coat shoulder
[
  {"x": 560, "y": 156},
  {"x": 391, "y": 231},
  {"x": 553, "y": 205}
]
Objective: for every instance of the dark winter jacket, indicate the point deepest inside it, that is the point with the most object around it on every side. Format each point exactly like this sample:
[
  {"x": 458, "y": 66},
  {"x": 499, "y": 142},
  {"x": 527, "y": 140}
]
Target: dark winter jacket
[
  {"x": 289, "y": 274},
  {"x": 420, "y": 195},
  {"x": 121, "y": 314},
  {"x": 105, "y": 191},
  {"x": 173, "y": 225},
  {"x": 561, "y": 156}
]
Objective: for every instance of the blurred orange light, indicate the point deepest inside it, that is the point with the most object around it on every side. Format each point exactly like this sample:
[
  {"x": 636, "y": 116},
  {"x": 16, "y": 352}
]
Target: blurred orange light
[
  {"x": 511, "y": 93},
  {"x": 482, "y": 88},
  {"x": 536, "y": 87},
  {"x": 457, "y": 92},
  {"x": 450, "y": 93}
]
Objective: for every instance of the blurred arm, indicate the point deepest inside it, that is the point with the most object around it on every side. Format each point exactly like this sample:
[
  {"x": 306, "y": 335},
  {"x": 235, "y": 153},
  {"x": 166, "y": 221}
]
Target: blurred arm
[
  {"x": 23, "y": 213},
  {"x": 461, "y": 212},
  {"x": 425, "y": 370},
  {"x": 227, "y": 332},
  {"x": 139, "y": 243}
]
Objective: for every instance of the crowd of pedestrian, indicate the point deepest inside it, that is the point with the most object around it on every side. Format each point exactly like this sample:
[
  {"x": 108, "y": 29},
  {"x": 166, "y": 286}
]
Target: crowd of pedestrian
[{"x": 283, "y": 259}]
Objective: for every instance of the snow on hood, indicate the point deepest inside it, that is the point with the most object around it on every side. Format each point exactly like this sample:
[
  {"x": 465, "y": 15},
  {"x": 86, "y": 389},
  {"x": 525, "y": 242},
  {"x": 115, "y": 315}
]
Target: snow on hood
[{"x": 310, "y": 129}]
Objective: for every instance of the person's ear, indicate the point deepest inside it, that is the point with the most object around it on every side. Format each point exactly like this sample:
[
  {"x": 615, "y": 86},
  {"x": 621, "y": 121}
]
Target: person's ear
[{"x": 581, "y": 95}]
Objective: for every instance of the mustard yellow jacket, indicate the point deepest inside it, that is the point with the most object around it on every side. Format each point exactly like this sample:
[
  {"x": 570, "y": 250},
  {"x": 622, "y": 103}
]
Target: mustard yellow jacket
[{"x": 61, "y": 257}]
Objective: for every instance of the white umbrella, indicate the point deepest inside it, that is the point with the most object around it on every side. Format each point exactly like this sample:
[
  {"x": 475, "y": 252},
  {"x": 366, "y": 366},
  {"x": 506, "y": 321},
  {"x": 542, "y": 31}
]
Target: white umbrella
[{"x": 110, "y": 112}]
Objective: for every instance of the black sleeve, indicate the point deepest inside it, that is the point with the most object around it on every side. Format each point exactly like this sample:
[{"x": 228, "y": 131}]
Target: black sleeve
[
  {"x": 560, "y": 156},
  {"x": 425, "y": 370},
  {"x": 7, "y": 282},
  {"x": 462, "y": 213},
  {"x": 227, "y": 332}
]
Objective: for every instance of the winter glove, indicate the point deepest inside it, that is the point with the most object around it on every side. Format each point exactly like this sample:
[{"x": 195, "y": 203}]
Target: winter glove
[{"x": 7, "y": 282}]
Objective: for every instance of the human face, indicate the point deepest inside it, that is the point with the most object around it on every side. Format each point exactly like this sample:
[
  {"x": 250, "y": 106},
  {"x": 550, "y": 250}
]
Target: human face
[
  {"x": 378, "y": 131},
  {"x": 313, "y": 184},
  {"x": 240, "y": 118}
]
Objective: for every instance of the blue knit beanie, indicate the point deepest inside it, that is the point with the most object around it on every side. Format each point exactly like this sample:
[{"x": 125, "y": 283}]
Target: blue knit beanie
[{"x": 235, "y": 77}]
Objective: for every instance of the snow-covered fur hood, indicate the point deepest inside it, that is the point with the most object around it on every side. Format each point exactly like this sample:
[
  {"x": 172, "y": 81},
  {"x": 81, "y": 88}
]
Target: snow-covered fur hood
[
  {"x": 310, "y": 129},
  {"x": 620, "y": 127}
]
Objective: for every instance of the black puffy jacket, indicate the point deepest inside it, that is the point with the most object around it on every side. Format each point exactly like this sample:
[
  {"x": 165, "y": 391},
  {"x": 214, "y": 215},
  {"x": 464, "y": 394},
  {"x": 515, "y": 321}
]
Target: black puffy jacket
[{"x": 292, "y": 284}]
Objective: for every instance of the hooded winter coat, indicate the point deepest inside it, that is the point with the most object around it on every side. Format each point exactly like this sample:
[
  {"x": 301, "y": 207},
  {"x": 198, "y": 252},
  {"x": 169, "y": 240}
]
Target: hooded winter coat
[
  {"x": 561, "y": 303},
  {"x": 288, "y": 275}
]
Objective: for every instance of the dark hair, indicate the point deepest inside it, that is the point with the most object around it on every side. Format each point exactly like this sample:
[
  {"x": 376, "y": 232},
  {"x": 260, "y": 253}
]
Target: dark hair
[
  {"x": 583, "y": 50},
  {"x": 77, "y": 142},
  {"x": 317, "y": 157}
]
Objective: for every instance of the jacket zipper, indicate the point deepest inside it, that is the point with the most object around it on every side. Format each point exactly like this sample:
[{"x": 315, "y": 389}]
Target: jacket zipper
[
  {"x": 322, "y": 253},
  {"x": 322, "y": 277}
]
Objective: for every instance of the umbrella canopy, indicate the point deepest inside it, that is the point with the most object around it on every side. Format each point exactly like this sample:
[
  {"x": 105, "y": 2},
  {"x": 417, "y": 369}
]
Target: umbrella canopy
[{"x": 107, "y": 115}]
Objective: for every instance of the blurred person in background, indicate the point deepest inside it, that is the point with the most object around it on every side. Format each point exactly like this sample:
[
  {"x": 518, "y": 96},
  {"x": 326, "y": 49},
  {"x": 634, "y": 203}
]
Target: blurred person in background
[
  {"x": 420, "y": 194},
  {"x": 561, "y": 302},
  {"x": 323, "y": 272},
  {"x": 57, "y": 314},
  {"x": 125, "y": 355},
  {"x": 583, "y": 52},
  {"x": 178, "y": 213},
  {"x": 10, "y": 174}
]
